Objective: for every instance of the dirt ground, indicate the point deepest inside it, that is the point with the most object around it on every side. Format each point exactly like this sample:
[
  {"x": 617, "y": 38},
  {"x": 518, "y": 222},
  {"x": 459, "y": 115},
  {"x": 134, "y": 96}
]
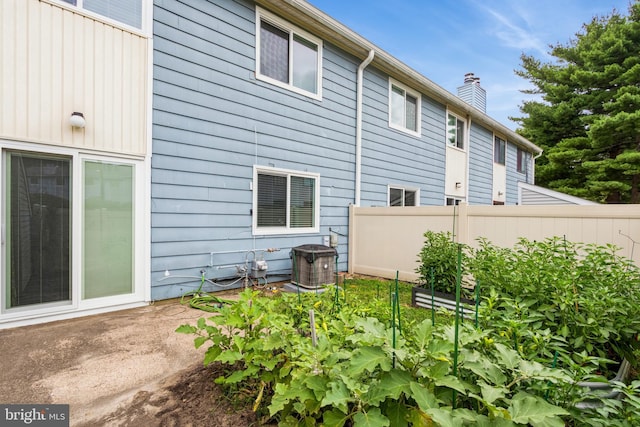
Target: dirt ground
[
  {"x": 123, "y": 368},
  {"x": 187, "y": 399}
]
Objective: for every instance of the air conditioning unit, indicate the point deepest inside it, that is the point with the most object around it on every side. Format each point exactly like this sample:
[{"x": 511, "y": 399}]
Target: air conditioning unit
[{"x": 313, "y": 266}]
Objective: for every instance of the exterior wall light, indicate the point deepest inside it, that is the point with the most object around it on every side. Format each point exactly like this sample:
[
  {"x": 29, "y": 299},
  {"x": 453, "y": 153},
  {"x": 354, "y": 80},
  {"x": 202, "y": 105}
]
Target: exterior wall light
[
  {"x": 77, "y": 120},
  {"x": 458, "y": 184}
]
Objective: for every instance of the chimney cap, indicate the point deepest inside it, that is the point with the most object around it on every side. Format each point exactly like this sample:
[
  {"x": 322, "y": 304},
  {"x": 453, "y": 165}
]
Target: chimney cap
[{"x": 471, "y": 78}]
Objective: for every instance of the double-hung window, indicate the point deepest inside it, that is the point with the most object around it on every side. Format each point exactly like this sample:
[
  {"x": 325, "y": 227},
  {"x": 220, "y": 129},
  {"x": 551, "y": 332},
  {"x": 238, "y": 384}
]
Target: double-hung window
[
  {"x": 521, "y": 161},
  {"x": 287, "y": 56},
  {"x": 404, "y": 108},
  {"x": 455, "y": 131},
  {"x": 499, "y": 150},
  {"x": 285, "y": 202},
  {"x": 399, "y": 196}
]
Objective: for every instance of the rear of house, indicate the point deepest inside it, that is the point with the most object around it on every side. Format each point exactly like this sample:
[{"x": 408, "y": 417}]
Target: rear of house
[
  {"x": 149, "y": 144},
  {"x": 270, "y": 118}
]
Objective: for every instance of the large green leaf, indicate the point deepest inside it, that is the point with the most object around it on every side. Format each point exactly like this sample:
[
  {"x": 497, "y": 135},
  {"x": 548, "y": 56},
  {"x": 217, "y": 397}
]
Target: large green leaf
[
  {"x": 451, "y": 382},
  {"x": 526, "y": 408},
  {"x": 391, "y": 385},
  {"x": 337, "y": 396},
  {"x": 186, "y": 329},
  {"x": 419, "y": 418},
  {"x": 334, "y": 418},
  {"x": 371, "y": 418},
  {"x": 536, "y": 370},
  {"x": 423, "y": 396},
  {"x": 212, "y": 354},
  {"x": 507, "y": 356},
  {"x": 444, "y": 418},
  {"x": 492, "y": 393},
  {"x": 369, "y": 358},
  {"x": 281, "y": 397},
  {"x": 397, "y": 413},
  {"x": 423, "y": 334},
  {"x": 487, "y": 370},
  {"x": 318, "y": 384},
  {"x": 229, "y": 357},
  {"x": 372, "y": 331},
  {"x": 439, "y": 369}
]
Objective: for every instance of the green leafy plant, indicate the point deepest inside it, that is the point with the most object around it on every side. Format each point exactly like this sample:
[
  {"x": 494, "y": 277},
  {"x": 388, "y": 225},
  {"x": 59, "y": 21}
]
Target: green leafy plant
[
  {"x": 579, "y": 303},
  {"x": 438, "y": 262},
  {"x": 359, "y": 373}
]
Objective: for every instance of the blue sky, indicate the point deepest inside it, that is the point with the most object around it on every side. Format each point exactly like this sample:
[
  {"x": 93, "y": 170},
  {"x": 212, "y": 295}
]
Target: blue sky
[{"x": 443, "y": 40}]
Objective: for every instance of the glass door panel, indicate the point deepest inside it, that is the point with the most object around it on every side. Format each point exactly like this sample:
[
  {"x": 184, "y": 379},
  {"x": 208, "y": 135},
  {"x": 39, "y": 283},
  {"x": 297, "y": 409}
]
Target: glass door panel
[
  {"x": 38, "y": 221},
  {"x": 108, "y": 242}
]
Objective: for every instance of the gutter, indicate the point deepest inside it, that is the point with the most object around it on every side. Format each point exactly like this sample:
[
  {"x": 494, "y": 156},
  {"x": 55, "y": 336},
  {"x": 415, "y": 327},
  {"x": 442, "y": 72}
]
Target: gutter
[
  {"x": 307, "y": 16},
  {"x": 360, "y": 78}
]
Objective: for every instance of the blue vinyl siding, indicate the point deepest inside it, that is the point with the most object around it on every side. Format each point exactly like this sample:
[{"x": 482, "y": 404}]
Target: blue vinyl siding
[
  {"x": 394, "y": 157},
  {"x": 213, "y": 121},
  {"x": 480, "y": 165}
]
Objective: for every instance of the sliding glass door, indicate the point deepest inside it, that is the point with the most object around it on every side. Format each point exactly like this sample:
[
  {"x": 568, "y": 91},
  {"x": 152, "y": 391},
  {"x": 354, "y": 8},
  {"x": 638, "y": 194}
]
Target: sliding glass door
[
  {"x": 38, "y": 229},
  {"x": 108, "y": 229},
  {"x": 71, "y": 232}
]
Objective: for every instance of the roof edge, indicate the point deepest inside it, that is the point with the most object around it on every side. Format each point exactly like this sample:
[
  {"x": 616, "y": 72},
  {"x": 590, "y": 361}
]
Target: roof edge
[{"x": 304, "y": 14}]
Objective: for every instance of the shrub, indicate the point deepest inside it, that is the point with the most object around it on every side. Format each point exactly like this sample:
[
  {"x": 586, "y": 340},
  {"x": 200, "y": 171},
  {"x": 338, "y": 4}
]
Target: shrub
[
  {"x": 438, "y": 261},
  {"x": 580, "y": 300}
]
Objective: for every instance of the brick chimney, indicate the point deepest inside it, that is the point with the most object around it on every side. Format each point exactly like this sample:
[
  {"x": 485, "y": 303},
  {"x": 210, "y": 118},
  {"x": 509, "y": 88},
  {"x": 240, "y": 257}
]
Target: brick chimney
[{"x": 471, "y": 92}]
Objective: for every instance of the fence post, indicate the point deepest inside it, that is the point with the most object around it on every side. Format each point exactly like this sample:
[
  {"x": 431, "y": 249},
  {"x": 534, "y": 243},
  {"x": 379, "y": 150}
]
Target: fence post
[{"x": 463, "y": 223}]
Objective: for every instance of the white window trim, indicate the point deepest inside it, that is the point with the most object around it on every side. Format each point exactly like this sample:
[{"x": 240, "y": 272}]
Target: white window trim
[
  {"x": 276, "y": 21},
  {"x": 62, "y": 310},
  {"x": 465, "y": 136},
  {"x": 458, "y": 198},
  {"x": 418, "y": 97},
  {"x": 506, "y": 144},
  {"x": 266, "y": 231},
  {"x": 403, "y": 188},
  {"x": 524, "y": 163},
  {"x": 146, "y": 29}
]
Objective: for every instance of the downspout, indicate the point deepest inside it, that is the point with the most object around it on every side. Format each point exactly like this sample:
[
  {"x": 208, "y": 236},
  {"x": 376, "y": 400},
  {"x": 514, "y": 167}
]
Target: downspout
[
  {"x": 360, "y": 79},
  {"x": 533, "y": 167}
]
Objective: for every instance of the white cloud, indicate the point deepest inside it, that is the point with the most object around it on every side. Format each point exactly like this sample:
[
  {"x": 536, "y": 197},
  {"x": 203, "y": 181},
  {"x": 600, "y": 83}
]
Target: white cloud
[{"x": 514, "y": 36}]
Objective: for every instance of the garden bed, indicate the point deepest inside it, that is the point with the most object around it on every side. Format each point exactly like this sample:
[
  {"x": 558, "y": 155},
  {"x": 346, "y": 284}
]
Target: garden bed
[{"x": 424, "y": 298}]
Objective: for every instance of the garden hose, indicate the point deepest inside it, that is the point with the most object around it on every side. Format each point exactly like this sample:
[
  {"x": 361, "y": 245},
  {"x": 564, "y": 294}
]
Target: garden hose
[
  {"x": 207, "y": 302},
  {"x": 202, "y": 300}
]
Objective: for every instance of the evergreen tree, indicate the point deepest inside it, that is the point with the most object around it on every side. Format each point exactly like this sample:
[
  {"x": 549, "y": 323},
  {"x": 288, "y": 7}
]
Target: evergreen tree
[{"x": 588, "y": 121}]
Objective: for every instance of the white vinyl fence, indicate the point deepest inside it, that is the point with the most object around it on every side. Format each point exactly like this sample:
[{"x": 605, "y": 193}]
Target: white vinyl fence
[{"x": 383, "y": 240}]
